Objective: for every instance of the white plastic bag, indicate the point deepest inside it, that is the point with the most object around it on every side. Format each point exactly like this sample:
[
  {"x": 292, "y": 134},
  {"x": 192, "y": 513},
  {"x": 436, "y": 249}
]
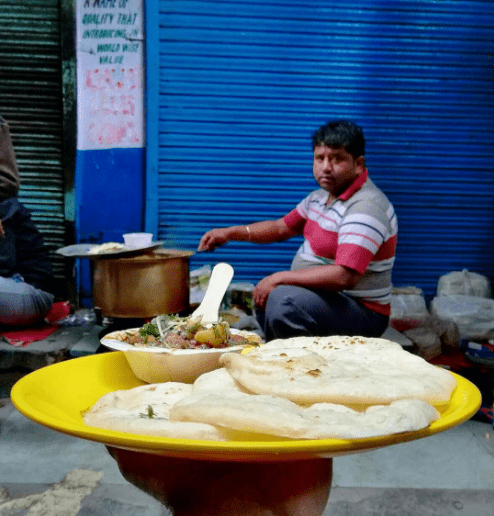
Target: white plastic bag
[
  {"x": 464, "y": 283},
  {"x": 408, "y": 308},
  {"x": 239, "y": 320},
  {"x": 473, "y": 315},
  {"x": 199, "y": 281}
]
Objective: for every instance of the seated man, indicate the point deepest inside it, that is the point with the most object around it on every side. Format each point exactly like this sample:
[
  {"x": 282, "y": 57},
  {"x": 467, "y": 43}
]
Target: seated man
[
  {"x": 26, "y": 275},
  {"x": 340, "y": 279}
]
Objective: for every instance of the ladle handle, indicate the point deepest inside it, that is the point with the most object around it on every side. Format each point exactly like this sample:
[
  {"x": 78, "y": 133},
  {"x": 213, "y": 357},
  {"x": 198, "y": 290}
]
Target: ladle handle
[{"x": 218, "y": 283}]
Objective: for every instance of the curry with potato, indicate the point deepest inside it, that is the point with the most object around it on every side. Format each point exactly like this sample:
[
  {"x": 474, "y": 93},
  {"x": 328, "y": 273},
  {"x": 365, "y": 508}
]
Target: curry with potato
[{"x": 174, "y": 332}]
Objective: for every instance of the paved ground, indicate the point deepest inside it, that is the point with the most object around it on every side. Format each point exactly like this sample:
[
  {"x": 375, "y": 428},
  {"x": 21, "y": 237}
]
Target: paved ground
[{"x": 48, "y": 473}]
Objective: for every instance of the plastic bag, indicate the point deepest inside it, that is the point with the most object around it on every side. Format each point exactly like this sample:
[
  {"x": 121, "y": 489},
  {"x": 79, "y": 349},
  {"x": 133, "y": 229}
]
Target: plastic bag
[
  {"x": 434, "y": 337},
  {"x": 408, "y": 306},
  {"x": 408, "y": 309},
  {"x": 80, "y": 318},
  {"x": 473, "y": 315},
  {"x": 426, "y": 340},
  {"x": 199, "y": 281},
  {"x": 239, "y": 320},
  {"x": 240, "y": 295},
  {"x": 464, "y": 283}
]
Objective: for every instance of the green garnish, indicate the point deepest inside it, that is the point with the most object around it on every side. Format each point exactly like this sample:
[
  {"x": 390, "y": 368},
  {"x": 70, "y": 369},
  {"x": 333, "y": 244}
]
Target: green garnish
[
  {"x": 216, "y": 331},
  {"x": 150, "y": 413},
  {"x": 149, "y": 329}
]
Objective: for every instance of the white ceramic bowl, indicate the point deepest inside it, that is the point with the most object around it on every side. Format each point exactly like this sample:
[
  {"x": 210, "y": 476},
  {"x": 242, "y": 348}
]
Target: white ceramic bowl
[
  {"x": 157, "y": 365},
  {"x": 136, "y": 240}
]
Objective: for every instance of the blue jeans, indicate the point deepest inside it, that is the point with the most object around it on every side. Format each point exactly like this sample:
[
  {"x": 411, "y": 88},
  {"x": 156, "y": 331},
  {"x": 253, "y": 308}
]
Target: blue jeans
[
  {"x": 296, "y": 311},
  {"x": 22, "y": 304}
]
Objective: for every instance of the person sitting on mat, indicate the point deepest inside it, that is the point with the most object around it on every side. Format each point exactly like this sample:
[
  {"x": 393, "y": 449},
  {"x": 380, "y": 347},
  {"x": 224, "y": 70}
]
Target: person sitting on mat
[{"x": 26, "y": 273}]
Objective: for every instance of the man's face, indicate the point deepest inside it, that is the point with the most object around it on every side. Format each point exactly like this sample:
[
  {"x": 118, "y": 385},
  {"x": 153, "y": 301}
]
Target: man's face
[{"x": 335, "y": 169}]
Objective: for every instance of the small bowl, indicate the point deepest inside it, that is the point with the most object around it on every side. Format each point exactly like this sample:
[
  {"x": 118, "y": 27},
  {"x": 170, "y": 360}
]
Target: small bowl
[
  {"x": 158, "y": 365},
  {"x": 136, "y": 240}
]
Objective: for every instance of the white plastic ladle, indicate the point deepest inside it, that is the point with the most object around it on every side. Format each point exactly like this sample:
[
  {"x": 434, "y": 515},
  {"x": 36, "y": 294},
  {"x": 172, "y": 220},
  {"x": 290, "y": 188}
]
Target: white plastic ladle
[{"x": 221, "y": 276}]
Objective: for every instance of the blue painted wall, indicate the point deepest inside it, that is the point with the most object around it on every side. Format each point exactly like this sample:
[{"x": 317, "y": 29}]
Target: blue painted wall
[
  {"x": 233, "y": 94},
  {"x": 109, "y": 201},
  {"x": 239, "y": 87}
]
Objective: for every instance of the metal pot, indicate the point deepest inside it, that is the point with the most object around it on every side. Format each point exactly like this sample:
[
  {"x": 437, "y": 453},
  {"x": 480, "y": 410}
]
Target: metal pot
[{"x": 142, "y": 286}]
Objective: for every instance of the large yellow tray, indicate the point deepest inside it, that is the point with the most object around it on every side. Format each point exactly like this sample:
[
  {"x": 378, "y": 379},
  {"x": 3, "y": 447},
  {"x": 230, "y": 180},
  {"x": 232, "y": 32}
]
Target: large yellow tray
[{"x": 55, "y": 396}]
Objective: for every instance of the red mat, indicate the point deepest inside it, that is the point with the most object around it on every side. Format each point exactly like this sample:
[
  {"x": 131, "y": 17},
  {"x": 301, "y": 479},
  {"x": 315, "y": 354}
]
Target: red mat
[{"x": 22, "y": 337}]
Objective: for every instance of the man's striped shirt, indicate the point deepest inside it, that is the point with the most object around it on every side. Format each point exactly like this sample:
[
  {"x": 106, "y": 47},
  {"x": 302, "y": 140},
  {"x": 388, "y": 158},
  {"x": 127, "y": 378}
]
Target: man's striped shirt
[{"x": 357, "y": 230}]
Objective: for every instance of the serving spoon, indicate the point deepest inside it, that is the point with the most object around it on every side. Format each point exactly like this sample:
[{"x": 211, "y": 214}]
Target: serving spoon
[{"x": 221, "y": 276}]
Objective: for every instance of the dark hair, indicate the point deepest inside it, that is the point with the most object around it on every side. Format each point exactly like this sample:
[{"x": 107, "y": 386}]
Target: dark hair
[{"x": 341, "y": 134}]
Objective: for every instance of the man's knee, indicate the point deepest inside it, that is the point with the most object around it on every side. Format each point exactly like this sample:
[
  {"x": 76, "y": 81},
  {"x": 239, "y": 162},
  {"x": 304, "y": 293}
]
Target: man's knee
[
  {"x": 282, "y": 302},
  {"x": 285, "y": 314}
]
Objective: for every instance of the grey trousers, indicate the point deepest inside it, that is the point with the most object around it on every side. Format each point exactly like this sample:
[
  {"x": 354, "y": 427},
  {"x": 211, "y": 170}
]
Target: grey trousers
[
  {"x": 22, "y": 304},
  {"x": 296, "y": 311}
]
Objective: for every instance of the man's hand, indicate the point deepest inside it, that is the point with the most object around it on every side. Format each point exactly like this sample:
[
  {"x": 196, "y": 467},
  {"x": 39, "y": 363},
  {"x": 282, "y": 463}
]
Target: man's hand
[
  {"x": 215, "y": 488},
  {"x": 213, "y": 239},
  {"x": 330, "y": 278},
  {"x": 265, "y": 287},
  {"x": 2, "y": 231}
]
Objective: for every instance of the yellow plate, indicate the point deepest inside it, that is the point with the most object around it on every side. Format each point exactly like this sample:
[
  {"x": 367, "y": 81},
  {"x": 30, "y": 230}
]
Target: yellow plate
[{"x": 55, "y": 396}]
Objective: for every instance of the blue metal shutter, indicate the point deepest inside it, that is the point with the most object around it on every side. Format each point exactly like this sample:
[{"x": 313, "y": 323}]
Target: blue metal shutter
[
  {"x": 241, "y": 85},
  {"x": 31, "y": 102}
]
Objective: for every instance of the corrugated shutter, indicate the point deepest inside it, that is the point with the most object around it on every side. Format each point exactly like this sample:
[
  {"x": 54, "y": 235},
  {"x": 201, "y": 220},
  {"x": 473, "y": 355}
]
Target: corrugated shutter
[
  {"x": 31, "y": 101},
  {"x": 243, "y": 84}
]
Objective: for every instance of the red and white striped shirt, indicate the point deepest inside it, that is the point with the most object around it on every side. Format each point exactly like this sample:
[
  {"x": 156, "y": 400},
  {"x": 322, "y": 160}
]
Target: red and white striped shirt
[{"x": 358, "y": 229}]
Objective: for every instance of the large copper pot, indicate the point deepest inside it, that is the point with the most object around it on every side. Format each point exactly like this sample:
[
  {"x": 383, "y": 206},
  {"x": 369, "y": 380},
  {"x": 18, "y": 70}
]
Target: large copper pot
[{"x": 142, "y": 286}]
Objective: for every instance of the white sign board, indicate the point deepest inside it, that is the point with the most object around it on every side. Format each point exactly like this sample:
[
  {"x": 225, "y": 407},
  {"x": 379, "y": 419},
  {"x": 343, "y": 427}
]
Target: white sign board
[{"x": 110, "y": 74}]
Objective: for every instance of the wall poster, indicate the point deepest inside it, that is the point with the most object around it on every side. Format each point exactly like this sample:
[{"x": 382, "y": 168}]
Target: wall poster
[{"x": 110, "y": 74}]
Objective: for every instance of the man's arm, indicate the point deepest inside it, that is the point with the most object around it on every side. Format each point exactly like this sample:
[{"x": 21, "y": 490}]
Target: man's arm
[
  {"x": 325, "y": 277},
  {"x": 264, "y": 232}
]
